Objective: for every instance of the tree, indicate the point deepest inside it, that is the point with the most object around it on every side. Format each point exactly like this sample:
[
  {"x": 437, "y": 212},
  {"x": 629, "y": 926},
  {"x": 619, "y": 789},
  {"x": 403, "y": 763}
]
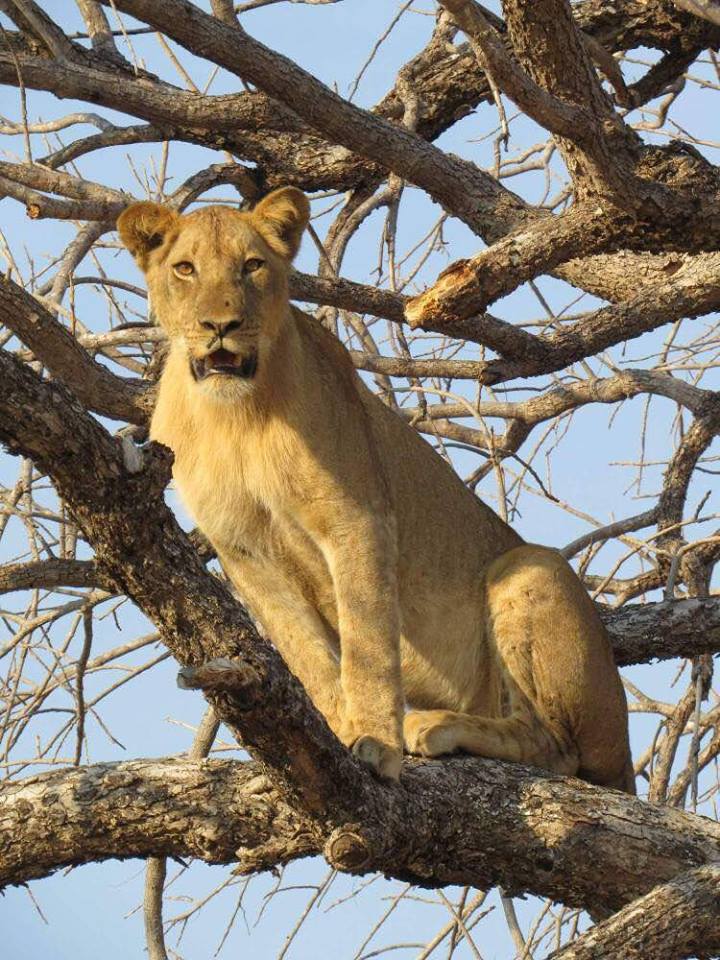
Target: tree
[{"x": 614, "y": 200}]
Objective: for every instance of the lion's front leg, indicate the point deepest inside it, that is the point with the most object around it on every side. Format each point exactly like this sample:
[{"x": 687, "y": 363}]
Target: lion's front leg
[
  {"x": 362, "y": 558},
  {"x": 295, "y": 628}
]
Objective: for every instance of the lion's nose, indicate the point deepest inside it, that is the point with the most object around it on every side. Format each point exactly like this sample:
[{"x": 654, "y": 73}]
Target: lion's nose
[{"x": 220, "y": 329}]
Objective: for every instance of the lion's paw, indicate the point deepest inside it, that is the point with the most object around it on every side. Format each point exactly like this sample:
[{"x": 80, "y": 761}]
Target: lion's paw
[
  {"x": 383, "y": 759},
  {"x": 428, "y": 733}
]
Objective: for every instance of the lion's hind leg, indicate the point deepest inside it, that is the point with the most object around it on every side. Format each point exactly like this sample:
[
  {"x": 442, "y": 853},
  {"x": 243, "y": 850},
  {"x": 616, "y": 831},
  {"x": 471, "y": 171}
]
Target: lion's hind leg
[
  {"x": 519, "y": 737},
  {"x": 563, "y": 706},
  {"x": 552, "y": 650}
]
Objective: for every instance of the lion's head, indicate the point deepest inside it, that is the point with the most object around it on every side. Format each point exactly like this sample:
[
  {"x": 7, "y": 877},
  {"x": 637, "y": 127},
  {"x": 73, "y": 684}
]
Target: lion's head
[{"x": 217, "y": 280}]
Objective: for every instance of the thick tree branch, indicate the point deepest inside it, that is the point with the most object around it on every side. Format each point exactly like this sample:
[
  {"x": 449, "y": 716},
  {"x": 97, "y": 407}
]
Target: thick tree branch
[
  {"x": 601, "y": 152},
  {"x": 252, "y": 126},
  {"x": 467, "y": 287},
  {"x": 508, "y": 823},
  {"x": 691, "y": 291},
  {"x": 707, "y": 9},
  {"x": 543, "y": 826},
  {"x": 56, "y": 348},
  {"x": 99, "y": 29},
  {"x": 571, "y": 396},
  {"x": 460, "y": 187},
  {"x": 464, "y": 821},
  {"x": 675, "y": 920},
  {"x": 556, "y": 115},
  {"x": 106, "y": 199},
  {"x": 30, "y": 17},
  {"x": 456, "y": 184},
  {"x": 218, "y": 811},
  {"x": 448, "y": 80},
  {"x": 39, "y": 206},
  {"x": 680, "y": 628}
]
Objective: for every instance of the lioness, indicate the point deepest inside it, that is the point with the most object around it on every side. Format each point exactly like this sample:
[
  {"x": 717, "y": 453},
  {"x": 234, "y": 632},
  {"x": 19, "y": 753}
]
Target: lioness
[{"x": 381, "y": 578}]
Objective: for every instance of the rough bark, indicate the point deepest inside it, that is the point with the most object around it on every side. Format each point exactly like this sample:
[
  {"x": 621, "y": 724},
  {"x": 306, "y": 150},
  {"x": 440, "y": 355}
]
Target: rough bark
[
  {"x": 493, "y": 210},
  {"x": 678, "y": 628},
  {"x": 560, "y": 89},
  {"x": 219, "y": 811},
  {"x": 114, "y": 396},
  {"x": 452, "y": 821},
  {"x": 47, "y": 574},
  {"x": 675, "y": 920}
]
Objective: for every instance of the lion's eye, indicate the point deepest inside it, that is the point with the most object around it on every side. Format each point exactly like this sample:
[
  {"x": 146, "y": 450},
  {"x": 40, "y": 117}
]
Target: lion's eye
[
  {"x": 253, "y": 264},
  {"x": 184, "y": 268}
]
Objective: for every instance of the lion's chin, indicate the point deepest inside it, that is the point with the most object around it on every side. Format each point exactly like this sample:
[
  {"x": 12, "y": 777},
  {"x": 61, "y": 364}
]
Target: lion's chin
[{"x": 227, "y": 389}]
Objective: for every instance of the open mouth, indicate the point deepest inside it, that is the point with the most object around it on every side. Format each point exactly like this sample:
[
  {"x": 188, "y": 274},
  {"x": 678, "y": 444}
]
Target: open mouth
[{"x": 224, "y": 364}]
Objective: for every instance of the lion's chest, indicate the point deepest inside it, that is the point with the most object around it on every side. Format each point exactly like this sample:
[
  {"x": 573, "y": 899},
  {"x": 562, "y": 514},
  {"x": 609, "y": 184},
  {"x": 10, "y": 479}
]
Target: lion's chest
[
  {"x": 217, "y": 486},
  {"x": 245, "y": 490},
  {"x": 237, "y": 491}
]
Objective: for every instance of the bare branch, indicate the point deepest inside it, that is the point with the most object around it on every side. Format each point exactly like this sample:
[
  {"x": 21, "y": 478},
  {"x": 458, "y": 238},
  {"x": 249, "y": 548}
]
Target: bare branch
[
  {"x": 177, "y": 807},
  {"x": 458, "y": 185},
  {"x": 558, "y": 116},
  {"x": 707, "y": 9},
  {"x": 677, "y": 919},
  {"x": 58, "y": 350},
  {"x": 98, "y": 27},
  {"x": 48, "y": 574},
  {"x": 681, "y": 628},
  {"x": 469, "y": 286},
  {"x": 601, "y": 153},
  {"x": 86, "y": 527}
]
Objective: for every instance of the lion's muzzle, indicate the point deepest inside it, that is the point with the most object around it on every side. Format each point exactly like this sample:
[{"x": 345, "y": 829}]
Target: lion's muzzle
[{"x": 223, "y": 363}]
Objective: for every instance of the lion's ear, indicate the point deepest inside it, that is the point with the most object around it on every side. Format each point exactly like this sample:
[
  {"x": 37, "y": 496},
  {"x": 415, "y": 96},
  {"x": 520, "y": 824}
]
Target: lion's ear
[
  {"x": 281, "y": 218},
  {"x": 144, "y": 226}
]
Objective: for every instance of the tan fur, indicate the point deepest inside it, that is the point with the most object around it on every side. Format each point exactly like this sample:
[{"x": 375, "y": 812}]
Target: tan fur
[{"x": 380, "y": 577}]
